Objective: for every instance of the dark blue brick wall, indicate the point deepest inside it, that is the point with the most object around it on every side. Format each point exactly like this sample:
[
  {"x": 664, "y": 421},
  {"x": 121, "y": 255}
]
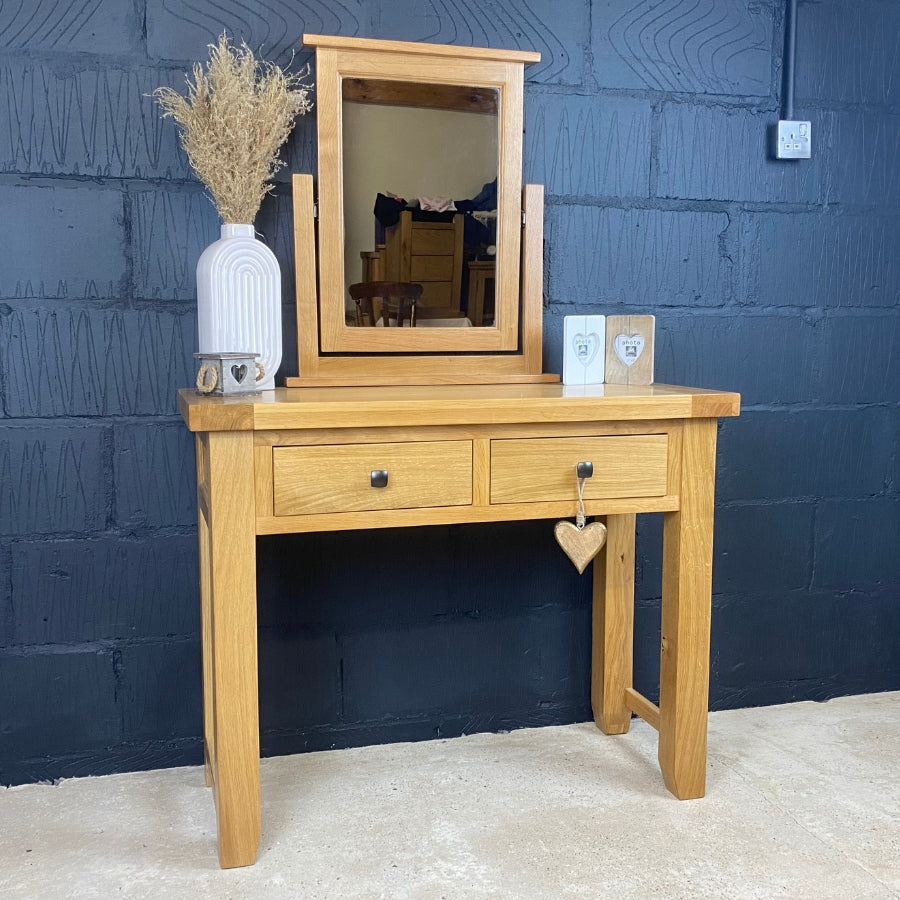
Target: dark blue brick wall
[{"x": 647, "y": 124}]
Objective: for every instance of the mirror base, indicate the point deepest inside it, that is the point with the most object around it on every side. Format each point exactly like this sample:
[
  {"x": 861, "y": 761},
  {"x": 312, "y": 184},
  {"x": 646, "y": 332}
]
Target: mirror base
[{"x": 378, "y": 380}]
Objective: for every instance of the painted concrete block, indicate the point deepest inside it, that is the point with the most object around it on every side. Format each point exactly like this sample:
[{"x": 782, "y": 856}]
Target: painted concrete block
[
  {"x": 111, "y": 587},
  {"x": 83, "y": 26},
  {"x": 647, "y": 638},
  {"x": 154, "y": 475},
  {"x": 705, "y": 269},
  {"x": 300, "y": 151},
  {"x": 63, "y": 242},
  {"x": 862, "y": 167},
  {"x": 826, "y": 32},
  {"x": 816, "y": 259},
  {"x": 299, "y": 678},
  {"x": 159, "y": 690},
  {"x": 470, "y": 571},
  {"x": 95, "y": 121},
  {"x": 683, "y": 46},
  {"x": 53, "y": 479},
  {"x": 275, "y": 228},
  {"x": 783, "y": 359},
  {"x": 498, "y": 568},
  {"x": 272, "y": 28},
  {"x": 574, "y": 145},
  {"x": 716, "y": 153},
  {"x": 806, "y": 453},
  {"x": 761, "y": 548},
  {"x": 648, "y": 560},
  {"x": 170, "y": 229},
  {"x": 558, "y": 34},
  {"x": 803, "y": 646},
  {"x": 637, "y": 258},
  {"x": 515, "y": 663},
  {"x": 54, "y": 703},
  {"x": 67, "y": 361},
  {"x": 305, "y": 580},
  {"x": 767, "y": 358},
  {"x": 856, "y": 544},
  {"x": 108, "y": 760},
  {"x": 862, "y": 363}
]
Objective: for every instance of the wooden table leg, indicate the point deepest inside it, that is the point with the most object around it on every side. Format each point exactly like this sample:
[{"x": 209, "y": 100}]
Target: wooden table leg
[
  {"x": 613, "y": 626},
  {"x": 686, "y": 602},
  {"x": 230, "y": 692}
]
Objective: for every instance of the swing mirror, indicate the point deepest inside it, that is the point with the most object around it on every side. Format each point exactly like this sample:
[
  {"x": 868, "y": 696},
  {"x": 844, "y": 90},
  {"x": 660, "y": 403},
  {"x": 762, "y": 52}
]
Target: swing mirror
[{"x": 420, "y": 161}]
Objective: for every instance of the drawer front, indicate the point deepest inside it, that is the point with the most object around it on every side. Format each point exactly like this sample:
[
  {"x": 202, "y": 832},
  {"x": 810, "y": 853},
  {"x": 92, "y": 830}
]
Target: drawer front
[
  {"x": 437, "y": 295},
  {"x": 337, "y": 478},
  {"x": 537, "y": 469},
  {"x": 436, "y": 240},
  {"x": 431, "y": 268}
]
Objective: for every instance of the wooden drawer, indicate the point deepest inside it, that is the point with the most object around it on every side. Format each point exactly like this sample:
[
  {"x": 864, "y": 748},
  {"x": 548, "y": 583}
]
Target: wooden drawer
[
  {"x": 431, "y": 268},
  {"x": 434, "y": 240},
  {"x": 438, "y": 295},
  {"x": 536, "y": 469},
  {"x": 337, "y": 478}
]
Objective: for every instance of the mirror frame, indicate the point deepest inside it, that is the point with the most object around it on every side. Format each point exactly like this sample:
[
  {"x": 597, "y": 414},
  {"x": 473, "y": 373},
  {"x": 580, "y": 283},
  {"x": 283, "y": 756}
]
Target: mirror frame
[{"x": 333, "y": 352}]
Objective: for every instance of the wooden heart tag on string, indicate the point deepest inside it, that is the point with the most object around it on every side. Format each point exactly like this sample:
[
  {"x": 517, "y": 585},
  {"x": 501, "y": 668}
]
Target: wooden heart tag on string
[{"x": 580, "y": 542}]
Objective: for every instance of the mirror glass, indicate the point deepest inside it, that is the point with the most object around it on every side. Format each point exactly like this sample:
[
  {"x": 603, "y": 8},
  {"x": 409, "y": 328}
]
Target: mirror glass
[{"x": 420, "y": 174}]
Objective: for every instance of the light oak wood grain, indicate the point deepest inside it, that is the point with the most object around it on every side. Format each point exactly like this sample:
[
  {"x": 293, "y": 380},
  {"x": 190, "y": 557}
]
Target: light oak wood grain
[
  {"x": 641, "y": 706},
  {"x": 410, "y": 405},
  {"x": 639, "y": 370},
  {"x": 525, "y": 470},
  {"x": 306, "y": 293},
  {"x": 294, "y": 452},
  {"x": 310, "y": 480},
  {"x": 686, "y": 593},
  {"x": 229, "y": 640},
  {"x": 421, "y": 48},
  {"x": 613, "y": 626},
  {"x": 453, "y": 515},
  {"x": 308, "y": 437}
]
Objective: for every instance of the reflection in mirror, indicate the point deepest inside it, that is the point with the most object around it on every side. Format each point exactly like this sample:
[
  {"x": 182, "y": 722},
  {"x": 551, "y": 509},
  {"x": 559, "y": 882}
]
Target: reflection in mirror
[{"x": 421, "y": 164}]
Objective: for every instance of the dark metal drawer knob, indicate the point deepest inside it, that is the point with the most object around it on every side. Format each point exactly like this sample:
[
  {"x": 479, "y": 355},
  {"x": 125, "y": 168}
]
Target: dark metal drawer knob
[
  {"x": 584, "y": 469},
  {"x": 379, "y": 478}
]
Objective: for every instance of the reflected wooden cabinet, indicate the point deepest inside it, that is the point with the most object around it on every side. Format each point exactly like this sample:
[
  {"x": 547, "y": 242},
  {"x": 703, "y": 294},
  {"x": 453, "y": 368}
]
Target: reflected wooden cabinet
[
  {"x": 427, "y": 253},
  {"x": 430, "y": 254}
]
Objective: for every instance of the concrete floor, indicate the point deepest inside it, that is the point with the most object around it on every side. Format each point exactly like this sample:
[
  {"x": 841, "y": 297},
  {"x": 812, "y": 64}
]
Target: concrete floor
[{"x": 802, "y": 801}]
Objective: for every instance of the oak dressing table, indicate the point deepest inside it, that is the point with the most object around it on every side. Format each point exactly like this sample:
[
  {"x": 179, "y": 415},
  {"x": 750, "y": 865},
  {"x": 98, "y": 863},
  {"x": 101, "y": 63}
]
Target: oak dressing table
[
  {"x": 388, "y": 427},
  {"x": 331, "y": 458}
]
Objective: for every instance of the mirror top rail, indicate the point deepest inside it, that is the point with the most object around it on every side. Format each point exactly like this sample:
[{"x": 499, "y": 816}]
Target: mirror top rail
[{"x": 338, "y": 42}]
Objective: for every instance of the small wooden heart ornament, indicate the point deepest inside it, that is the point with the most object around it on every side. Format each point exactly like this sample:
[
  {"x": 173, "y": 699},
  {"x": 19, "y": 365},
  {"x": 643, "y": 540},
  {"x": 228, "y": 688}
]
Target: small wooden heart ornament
[{"x": 581, "y": 545}]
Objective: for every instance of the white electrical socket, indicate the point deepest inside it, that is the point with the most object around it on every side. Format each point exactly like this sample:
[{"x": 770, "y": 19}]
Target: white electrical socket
[{"x": 794, "y": 139}]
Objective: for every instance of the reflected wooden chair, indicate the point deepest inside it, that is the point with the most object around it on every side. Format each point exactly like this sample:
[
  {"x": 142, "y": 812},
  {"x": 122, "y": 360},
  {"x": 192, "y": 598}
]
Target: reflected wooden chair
[{"x": 397, "y": 302}]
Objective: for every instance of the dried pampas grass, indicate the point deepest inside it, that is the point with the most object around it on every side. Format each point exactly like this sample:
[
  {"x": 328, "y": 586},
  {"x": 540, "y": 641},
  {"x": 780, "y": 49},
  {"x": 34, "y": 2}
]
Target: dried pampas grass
[{"x": 236, "y": 116}]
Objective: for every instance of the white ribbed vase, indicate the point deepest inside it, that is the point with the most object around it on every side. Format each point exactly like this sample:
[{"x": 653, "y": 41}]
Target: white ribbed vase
[{"x": 239, "y": 299}]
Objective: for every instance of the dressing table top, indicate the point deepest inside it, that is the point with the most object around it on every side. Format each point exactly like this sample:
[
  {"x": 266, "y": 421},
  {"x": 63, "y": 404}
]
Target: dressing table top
[{"x": 492, "y": 404}]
